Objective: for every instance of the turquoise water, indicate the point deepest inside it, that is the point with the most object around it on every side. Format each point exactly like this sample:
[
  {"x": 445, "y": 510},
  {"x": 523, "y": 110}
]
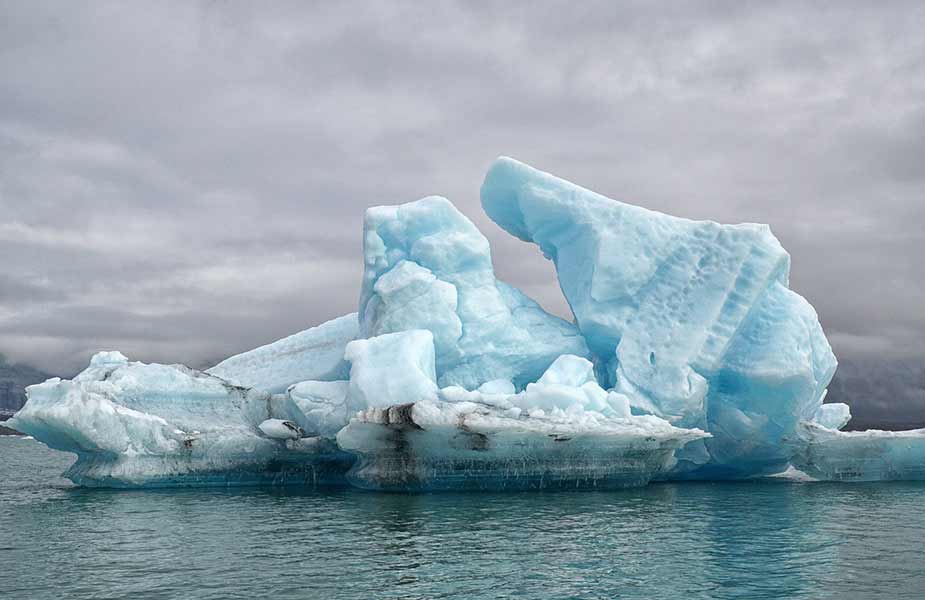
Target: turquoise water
[{"x": 692, "y": 540}]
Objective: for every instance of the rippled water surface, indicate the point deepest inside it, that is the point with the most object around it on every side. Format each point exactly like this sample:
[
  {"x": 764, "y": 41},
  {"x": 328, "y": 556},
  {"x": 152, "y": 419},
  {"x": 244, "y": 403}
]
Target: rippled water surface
[{"x": 745, "y": 540}]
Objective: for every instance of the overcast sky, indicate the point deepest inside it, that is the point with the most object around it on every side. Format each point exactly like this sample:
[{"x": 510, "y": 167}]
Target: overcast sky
[{"x": 185, "y": 181}]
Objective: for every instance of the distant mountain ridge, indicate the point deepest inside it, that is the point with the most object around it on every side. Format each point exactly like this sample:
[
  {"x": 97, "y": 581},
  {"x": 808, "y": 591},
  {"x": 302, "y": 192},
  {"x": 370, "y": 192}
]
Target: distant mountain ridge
[{"x": 13, "y": 381}]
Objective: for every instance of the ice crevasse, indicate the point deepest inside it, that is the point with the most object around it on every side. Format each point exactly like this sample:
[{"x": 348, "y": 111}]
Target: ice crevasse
[{"x": 688, "y": 358}]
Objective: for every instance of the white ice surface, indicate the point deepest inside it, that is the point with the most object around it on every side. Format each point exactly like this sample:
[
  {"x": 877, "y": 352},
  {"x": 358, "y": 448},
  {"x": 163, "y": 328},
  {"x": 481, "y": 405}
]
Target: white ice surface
[
  {"x": 393, "y": 368},
  {"x": 313, "y": 354},
  {"x": 832, "y": 416}
]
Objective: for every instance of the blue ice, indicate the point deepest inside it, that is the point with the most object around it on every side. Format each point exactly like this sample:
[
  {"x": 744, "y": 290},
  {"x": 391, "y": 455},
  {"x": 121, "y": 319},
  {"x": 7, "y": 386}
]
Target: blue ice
[{"x": 691, "y": 319}]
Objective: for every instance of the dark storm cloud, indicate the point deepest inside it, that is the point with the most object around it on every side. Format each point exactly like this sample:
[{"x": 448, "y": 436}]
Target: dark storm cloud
[{"x": 186, "y": 180}]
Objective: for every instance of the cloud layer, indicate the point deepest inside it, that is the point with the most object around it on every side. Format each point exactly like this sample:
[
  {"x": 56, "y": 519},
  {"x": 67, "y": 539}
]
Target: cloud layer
[{"x": 183, "y": 181}]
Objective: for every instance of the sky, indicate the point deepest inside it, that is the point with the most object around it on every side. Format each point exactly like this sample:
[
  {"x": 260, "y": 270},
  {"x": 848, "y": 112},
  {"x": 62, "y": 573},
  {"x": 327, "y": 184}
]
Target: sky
[{"x": 183, "y": 181}]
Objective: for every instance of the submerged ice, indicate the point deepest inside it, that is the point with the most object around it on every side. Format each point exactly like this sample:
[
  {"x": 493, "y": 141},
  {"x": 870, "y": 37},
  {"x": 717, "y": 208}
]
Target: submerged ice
[{"x": 689, "y": 358}]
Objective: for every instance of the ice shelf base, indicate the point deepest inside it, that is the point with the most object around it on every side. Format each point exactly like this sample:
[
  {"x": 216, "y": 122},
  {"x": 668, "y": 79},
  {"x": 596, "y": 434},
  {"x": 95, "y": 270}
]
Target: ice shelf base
[
  {"x": 434, "y": 446},
  {"x": 831, "y": 455}
]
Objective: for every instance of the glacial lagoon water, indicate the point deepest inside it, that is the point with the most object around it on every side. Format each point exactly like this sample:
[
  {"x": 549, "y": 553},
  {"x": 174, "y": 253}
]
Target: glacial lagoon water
[{"x": 692, "y": 540}]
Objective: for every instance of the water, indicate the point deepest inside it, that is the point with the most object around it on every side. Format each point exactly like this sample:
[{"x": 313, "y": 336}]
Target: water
[{"x": 692, "y": 540}]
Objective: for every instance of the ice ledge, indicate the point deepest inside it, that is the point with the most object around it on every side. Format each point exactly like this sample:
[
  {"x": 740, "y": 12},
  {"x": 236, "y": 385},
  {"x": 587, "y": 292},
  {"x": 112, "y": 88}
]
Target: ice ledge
[
  {"x": 436, "y": 445},
  {"x": 873, "y": 455}
]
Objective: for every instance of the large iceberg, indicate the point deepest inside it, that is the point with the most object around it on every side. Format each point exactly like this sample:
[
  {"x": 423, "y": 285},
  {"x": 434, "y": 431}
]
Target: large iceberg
[{"x": 689, "y": 358}]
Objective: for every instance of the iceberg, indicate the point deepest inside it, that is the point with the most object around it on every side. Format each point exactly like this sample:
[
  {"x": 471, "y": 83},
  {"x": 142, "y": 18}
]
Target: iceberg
[
  {"x": 132, "y": 424},
  {"x": 688, "y": 358}
]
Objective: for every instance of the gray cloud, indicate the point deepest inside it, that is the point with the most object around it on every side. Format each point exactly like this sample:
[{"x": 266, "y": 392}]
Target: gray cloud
[{"x": 187, "y": 180}]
